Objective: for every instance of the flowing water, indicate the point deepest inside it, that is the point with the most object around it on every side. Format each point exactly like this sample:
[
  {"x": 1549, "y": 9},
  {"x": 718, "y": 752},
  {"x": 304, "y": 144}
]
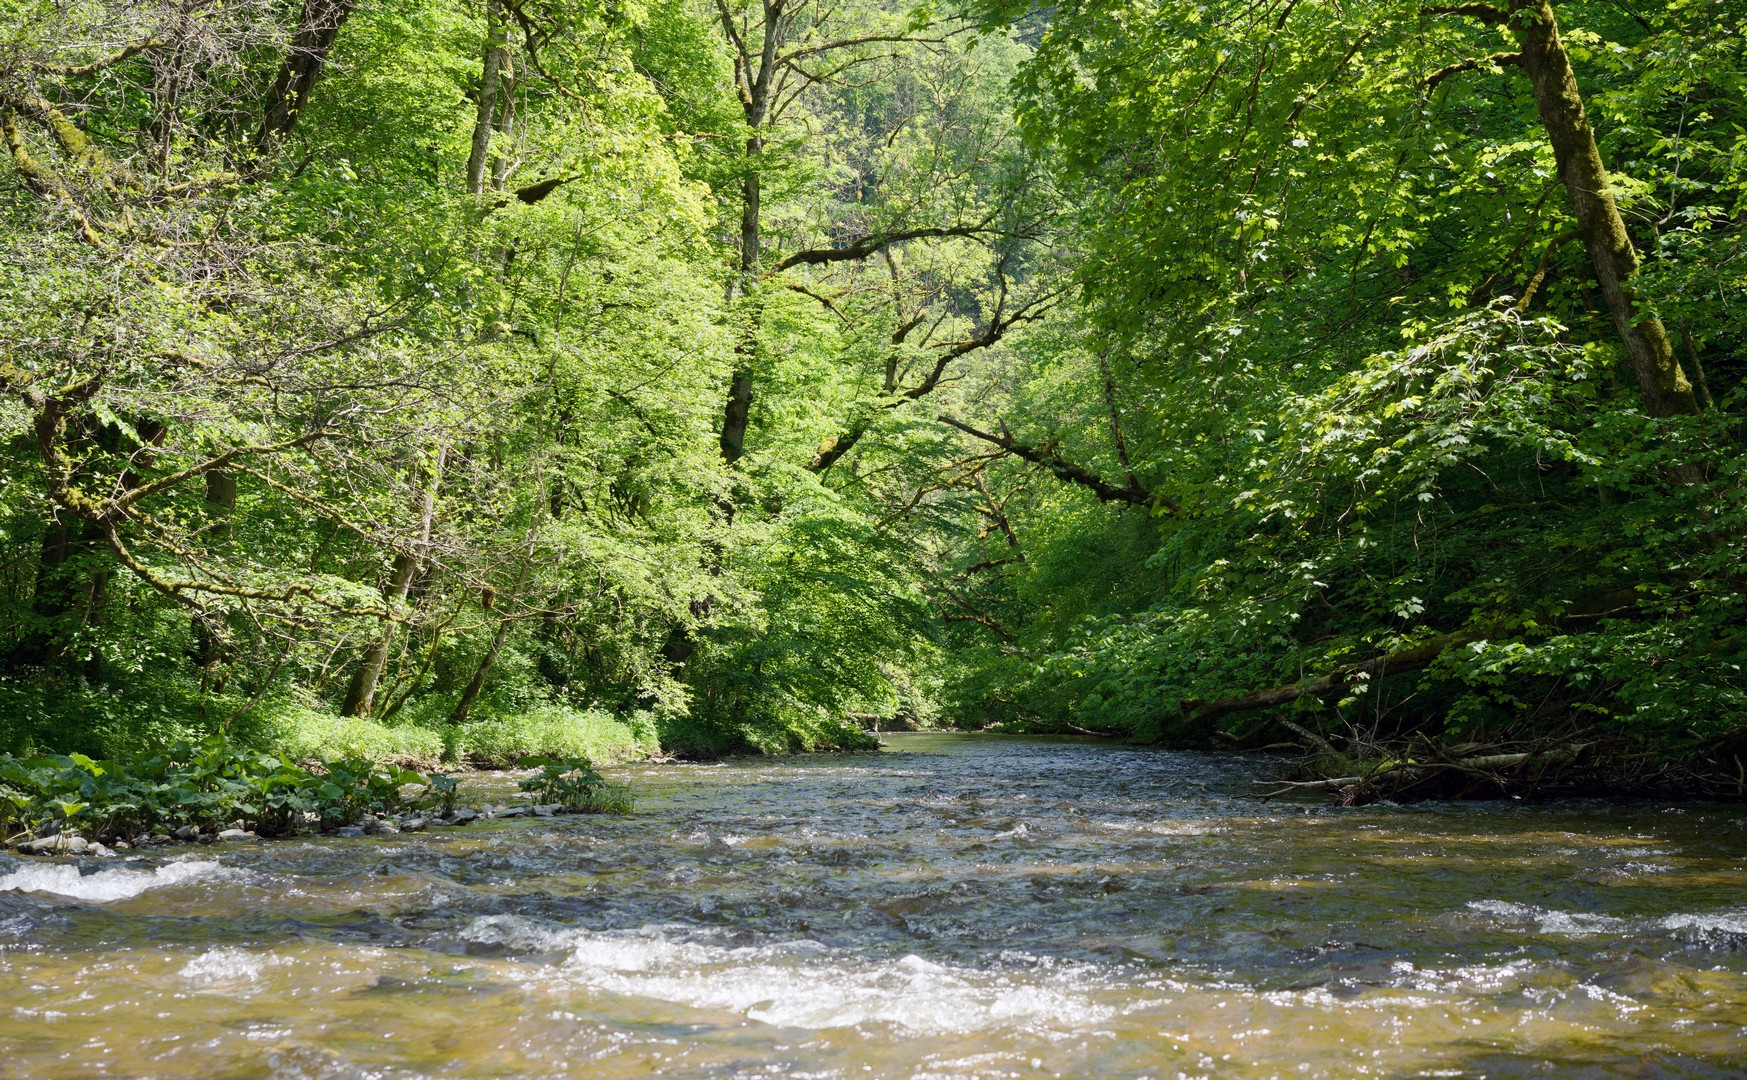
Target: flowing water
[{"x": 955, "y": 906}]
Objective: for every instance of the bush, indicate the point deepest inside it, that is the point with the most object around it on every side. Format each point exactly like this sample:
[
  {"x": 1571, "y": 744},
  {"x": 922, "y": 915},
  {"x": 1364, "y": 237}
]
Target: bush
[
  {"x": 210, "y": 786},
  {"x": 551, "y": 731},
  {"x": 574, "y": 784},
  {"x": 303, "y": 734}
]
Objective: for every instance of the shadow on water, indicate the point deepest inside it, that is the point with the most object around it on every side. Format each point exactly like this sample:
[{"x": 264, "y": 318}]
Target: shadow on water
[{"x": 952, "y": 906}]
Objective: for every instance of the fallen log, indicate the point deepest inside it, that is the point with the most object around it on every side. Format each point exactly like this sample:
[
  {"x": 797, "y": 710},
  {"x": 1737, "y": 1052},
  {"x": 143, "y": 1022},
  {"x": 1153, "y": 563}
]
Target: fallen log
[{"x": 1403, "y": 774}]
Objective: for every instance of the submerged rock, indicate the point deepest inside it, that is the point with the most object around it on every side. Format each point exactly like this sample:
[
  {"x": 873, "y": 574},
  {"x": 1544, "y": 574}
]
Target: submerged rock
[{"x": 349, "y": 830}]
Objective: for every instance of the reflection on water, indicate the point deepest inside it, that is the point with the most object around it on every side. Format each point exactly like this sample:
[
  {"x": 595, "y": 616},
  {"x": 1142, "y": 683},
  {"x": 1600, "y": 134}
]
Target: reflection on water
[{"x": 953, "y": 907}]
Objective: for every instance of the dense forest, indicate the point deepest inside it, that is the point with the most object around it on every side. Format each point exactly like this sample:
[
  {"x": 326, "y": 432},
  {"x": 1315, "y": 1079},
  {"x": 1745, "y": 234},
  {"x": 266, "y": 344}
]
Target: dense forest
[{"x": 456, "y": 379}]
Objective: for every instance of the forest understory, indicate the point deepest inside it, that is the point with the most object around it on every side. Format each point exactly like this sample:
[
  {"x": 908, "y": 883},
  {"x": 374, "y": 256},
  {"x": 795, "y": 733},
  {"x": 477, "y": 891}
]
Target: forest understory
[{"x": 463, "y": 381}]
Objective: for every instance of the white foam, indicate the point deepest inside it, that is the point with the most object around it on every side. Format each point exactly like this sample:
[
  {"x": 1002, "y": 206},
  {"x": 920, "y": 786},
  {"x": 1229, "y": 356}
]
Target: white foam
[
  {"x": 1728, "y": 922},
  {"x": 227, "y": 966},
  {"x": 1568, "y": 923},
  {"x": 1160, "y": 828},
  {"x": 107, "y": 886},
  {"x": 798, "y": 984},
  {"x": 1578, "y": 923}
]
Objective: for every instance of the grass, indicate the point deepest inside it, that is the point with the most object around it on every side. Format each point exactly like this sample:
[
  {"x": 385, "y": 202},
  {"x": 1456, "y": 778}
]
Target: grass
[
  {"x": 493, "y": 741},
  {"x": 552, "y": 731}
]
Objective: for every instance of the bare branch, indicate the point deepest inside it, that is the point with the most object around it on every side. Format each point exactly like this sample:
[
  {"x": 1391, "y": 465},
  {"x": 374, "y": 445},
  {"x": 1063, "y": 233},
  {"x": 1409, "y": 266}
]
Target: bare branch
[
  {"x": 73, "y": 71},
  {"x": 870, "y": 245},
  {"x": 1486, "y": 13},
  {"x": 1497, "y": 59},
  {"x": 1047, "y": 456}
]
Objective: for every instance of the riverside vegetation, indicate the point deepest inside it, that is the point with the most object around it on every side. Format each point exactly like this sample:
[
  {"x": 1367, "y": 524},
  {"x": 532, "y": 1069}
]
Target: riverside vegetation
[
  {"x": 462, "y": 381},
  {"x": 62, "y": 803}
]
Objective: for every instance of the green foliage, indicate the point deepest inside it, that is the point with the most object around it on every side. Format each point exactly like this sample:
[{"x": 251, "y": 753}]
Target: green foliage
[
  {"x": 573, "y": 784},
  {"x": 551, "y": 731},
  {"x": 209, "y": 786},
  {"x": 1129, "y": 355},
  {"x": 305, "y": 734}
]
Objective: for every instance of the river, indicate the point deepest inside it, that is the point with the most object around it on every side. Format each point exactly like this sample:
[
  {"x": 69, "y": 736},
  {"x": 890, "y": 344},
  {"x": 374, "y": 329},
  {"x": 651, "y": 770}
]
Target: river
[{"x": 954, "y": 906}]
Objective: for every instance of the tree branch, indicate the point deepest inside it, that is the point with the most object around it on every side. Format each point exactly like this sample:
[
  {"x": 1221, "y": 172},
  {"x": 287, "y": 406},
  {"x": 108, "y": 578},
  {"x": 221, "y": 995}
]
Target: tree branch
[
  {"x": 1486, "y": 13},
  {"x": 73, "y": 71},
  {"x": 1049, "y": 458},
  {"x": 869, "y": 245},
  {"x": 1497, "y": 59}
]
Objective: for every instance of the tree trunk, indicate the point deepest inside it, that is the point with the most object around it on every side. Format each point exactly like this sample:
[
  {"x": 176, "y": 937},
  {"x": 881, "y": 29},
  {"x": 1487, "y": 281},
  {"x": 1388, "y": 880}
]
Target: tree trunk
[
  {"x": 474, "y": 685},
  {"x": 506, "y": 120},
  {"x": 361, "y": 692},
  {"x": 471, "y": 692},
  {"x": 755, "y": 79},
  {"x": 738, "y": 410},
  {"x": 496, "y": 36},
  {"x": 1664, "y": 386},
  {"x": 317, "y": 28},
  {"x": 221, "y": 502}
]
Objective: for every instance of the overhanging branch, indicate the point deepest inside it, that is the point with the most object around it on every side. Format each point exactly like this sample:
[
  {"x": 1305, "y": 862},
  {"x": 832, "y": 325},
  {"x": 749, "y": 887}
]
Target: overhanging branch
[
  {"x": 1047, "y": 456},
  {"x": 869, "y": 245}
]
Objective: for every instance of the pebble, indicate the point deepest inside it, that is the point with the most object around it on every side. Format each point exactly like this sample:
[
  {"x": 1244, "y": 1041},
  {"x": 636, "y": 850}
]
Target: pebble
[
  {"x": 186, "y": 833},
  {"x": 412, "y": 824},
  {"x": 464, "y": 817},
  {"x": 514, "y": 811},
  {"x": 544, "y": 811}
]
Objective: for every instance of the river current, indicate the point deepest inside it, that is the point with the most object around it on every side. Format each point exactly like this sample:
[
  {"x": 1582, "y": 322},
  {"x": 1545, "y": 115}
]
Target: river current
[{"x": 953, "y": 906}]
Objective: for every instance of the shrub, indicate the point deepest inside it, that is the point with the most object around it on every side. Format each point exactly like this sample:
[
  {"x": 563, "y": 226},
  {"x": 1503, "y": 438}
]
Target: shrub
[
  {"x": 210, "y": 785},
  {"x": 573, "y": 784},
  {"x": 303, "y": 734},
  {"x": 551, "y": 731}
]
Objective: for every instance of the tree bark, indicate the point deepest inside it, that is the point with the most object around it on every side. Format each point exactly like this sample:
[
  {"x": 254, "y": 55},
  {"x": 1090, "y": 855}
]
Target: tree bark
[
  {"x": 1199, "y": 719},
  {"x": 484, "y": 122},
  {"x": 317, "y": 28},
  {"x": 470, "y": 694},
  {"x": 1661, "y": 382},
  {"x": 739, "y": 408},
  {"x": 475, "y": 685},
  {"x": 754, "y": 77},
  {"x": 506, "y": 120},
  {"x": 1047, "y": 456},
  {"x": 221, "y": 501}
]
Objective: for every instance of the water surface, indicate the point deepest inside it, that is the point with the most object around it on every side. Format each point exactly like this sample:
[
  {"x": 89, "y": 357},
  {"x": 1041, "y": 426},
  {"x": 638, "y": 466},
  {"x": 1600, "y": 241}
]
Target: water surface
[{"x": 954, "y": 906}]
